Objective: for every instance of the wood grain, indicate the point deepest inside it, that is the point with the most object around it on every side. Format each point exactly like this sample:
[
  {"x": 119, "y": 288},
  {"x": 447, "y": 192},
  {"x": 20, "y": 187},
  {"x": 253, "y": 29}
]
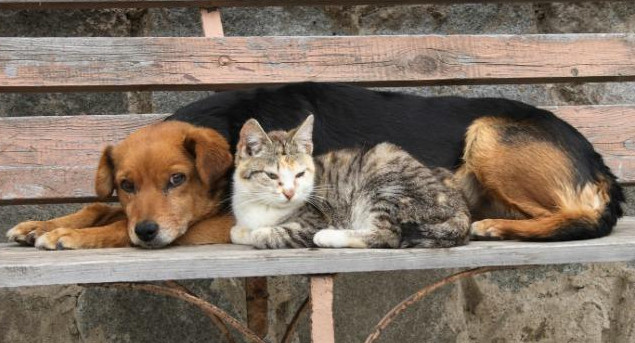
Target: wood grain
[
  {"x": 322, "y": 326},
  {"x": 155, "y": 63},
  {"x": 212, "y": 22},
  {"x": 611, "y": 130},
  {"x": 20, "y": 266},
  {"x": 53, "y": 159},
  {"x": 70, "y": 4}
]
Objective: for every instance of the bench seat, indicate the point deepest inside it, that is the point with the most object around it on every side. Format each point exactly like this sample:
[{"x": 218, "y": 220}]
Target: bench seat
[{"x": 21, "y": 266}]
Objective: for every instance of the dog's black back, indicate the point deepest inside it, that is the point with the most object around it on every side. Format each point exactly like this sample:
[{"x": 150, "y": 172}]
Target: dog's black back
[{"x": 431, "y": 128}]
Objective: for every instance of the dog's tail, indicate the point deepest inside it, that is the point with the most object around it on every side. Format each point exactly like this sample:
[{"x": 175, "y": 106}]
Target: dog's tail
[
  {"x": 596, "y": 219},
  {"x": 591, "y": 212}
]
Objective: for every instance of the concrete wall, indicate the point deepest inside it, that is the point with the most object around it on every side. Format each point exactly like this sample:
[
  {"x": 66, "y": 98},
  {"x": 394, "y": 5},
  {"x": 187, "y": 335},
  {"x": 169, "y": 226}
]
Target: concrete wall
[{"x": 570, "y": 303}]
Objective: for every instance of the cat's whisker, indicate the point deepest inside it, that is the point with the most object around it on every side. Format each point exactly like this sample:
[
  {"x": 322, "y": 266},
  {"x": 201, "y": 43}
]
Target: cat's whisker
[{"x": 247, "y": 201}]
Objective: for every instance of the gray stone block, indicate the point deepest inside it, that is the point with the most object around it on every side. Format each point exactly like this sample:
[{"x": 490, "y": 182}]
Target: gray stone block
[
  {"x": 112, "y": 315},
  {"x": 61, "y": 104},
  {"x": 39, "y": 314},
  {"x": 67, "y": 23},
  {"x": 15, "y": 214},
  {"x": 168, "y": 102}
]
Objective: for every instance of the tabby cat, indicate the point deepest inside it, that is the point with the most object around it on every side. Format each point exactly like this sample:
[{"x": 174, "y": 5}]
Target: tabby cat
[{"x": 376, "y": 198}]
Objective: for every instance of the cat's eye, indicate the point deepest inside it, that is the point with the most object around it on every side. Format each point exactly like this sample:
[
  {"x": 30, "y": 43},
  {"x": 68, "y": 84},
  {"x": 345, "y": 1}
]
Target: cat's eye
[
  {"x": 272, "y": 176},
  {"x": 300, "y": 174},
  {"x": 176, "y": 179},
  {"x": 127, "y": 186}
]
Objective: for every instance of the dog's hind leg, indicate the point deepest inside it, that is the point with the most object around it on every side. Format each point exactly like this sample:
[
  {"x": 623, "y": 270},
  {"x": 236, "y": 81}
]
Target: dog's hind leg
[
  {"x": 523, "y": 186},
  {"x": 92, "y": 215}
]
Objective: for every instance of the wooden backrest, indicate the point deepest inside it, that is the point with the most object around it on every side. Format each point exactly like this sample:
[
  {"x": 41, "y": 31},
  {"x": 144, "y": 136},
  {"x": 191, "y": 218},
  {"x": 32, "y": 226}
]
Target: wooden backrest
[
  {"x": 151, "y": 63},
  {"x": 52, "y": 159}
]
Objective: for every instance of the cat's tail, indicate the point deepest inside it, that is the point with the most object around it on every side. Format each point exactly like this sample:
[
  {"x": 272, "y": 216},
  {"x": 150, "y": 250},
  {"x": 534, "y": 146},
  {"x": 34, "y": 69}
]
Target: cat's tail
[{"x": 450, "y": 233}]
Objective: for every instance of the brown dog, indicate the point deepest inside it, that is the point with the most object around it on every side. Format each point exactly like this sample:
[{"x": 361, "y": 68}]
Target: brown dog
[{"x": 170, "y": 179}]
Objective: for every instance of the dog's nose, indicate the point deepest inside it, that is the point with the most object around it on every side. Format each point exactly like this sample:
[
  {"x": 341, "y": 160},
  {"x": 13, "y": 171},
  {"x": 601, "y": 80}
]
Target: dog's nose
[{"x": 146, "y": 230}]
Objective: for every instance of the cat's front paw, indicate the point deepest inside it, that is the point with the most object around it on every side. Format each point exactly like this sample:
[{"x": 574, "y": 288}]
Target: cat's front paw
[
  {"x": 270, "y": 238},
  {"x": 263, "y": 238},
  {"x": 332, "y": 238},
  {"x": 240, "y": 235}
]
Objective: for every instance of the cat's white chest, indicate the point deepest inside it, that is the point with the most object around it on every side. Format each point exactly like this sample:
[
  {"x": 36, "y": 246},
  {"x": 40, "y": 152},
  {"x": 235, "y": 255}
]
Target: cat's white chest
[{"x": 256, "y": 216}]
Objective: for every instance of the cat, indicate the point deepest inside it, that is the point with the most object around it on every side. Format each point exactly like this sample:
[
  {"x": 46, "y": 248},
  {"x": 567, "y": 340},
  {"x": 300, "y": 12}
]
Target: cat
[{"x": 380, "y": 197}]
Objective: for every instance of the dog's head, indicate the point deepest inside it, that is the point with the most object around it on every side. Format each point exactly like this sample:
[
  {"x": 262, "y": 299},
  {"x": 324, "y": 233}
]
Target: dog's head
[{"x": 168, "y": 176}]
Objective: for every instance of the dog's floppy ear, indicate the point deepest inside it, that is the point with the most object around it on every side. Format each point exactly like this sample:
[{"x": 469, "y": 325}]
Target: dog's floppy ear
[
  {"x": 105, "y": 179},
  {"x": 211, "y": 154}
]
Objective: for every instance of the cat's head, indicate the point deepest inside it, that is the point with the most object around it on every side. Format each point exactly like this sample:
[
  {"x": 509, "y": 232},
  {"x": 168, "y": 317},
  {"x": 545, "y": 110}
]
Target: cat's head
[{"x": 275, "y": 168}]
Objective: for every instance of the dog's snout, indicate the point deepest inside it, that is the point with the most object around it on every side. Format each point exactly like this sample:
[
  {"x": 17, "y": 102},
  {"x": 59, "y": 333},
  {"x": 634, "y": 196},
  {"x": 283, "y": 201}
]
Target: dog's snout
[{"x": 146, "y": 230}]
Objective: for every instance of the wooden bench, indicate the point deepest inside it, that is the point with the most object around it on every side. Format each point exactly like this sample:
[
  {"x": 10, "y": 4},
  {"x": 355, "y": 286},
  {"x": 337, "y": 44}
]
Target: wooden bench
[{"x": 52, "y": 159}]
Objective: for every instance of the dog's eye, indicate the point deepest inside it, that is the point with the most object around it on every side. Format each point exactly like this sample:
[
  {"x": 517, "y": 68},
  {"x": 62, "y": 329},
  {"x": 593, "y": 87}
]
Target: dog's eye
[
  {"x": 176, "y": 179},
  {"x": 127, "y": 186},
  {"x": 272, "y": 176},
  {"x": 300, "y": 174}
]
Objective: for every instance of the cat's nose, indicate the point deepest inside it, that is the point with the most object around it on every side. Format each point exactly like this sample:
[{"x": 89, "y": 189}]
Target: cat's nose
[{"x": 288, "y": 193}]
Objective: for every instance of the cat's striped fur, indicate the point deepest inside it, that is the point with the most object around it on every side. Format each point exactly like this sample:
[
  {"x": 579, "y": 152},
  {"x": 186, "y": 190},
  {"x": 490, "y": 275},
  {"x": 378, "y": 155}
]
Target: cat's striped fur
[{"x": 374, "y": 198}]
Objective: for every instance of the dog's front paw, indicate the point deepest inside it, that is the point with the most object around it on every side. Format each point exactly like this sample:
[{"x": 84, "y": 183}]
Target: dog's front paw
[
  {"x": 60, "y": 239},
  {"x": 240, "y": 235},
  {"x": 486, "y": 229},
  {"x": 26, "y": 233}
]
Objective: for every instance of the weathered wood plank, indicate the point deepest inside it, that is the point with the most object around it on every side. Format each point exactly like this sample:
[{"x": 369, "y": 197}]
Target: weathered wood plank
[
  {"x": 64, "y": 141},
  {"x": 611, "y": 129},
  {"x": 322, "y": 325},
  {"x": 20, "y": 266},
  {"x": 212, "y": 22},
  {"x": 62, "y": 4},
  {"x": 53, "y": 159},
  {"x": 153, "y": 63}
]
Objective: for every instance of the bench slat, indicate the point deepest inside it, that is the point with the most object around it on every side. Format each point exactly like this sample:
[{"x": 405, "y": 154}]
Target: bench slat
[
  {"x": 64, "y": 141},
  {"x": 61, "y": 4},
  {"x": 21, "y": 266},
  {"x": 151, "y": 63},
  {"x": 53, "y": 159}
]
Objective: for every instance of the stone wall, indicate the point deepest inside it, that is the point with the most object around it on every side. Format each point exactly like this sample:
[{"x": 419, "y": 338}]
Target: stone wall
[{"x": 570, "y": 303}]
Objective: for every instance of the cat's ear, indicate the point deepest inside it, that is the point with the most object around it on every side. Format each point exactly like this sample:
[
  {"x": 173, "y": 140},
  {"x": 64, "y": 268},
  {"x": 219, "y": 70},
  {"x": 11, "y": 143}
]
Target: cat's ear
[
  {"x": 252, "y": 139},
  {"x": 303, "y": 135}
]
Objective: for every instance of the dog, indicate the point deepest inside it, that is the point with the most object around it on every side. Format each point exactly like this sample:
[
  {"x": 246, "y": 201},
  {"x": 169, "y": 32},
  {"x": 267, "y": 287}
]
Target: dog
[
  {"x": 170, "y": 179},
  {"x": 525, "y": 173}
]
